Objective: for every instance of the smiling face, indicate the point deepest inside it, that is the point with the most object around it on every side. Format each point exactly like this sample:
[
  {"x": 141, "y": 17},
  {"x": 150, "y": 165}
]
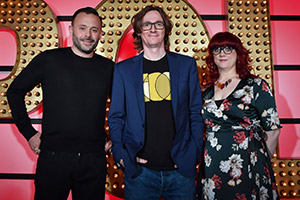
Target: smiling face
[
  {"x": 152, "y": 38},
  {"x": 226, "y": 61},
  {"x": 86, "y": 32}
]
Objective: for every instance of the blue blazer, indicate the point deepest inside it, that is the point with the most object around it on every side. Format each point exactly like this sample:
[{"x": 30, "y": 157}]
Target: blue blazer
[{"x": 127, "y": 113}]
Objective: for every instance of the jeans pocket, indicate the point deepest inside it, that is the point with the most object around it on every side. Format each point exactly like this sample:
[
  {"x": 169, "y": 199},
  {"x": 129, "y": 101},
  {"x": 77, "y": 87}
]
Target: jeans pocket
[{"x": 139, "y": 171}]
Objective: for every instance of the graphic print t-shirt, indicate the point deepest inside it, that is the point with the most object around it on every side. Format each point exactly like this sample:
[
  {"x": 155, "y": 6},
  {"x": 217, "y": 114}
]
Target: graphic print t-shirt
[{"x": 160, "y": 126}]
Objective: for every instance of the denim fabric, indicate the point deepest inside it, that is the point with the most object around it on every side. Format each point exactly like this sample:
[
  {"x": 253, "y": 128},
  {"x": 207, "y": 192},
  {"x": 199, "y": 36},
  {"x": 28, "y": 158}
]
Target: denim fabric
[{"x": 151, "y": 185}]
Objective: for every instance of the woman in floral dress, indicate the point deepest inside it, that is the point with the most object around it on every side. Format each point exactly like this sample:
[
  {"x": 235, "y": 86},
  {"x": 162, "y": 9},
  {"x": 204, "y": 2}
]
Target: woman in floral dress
[{"x": 242, "y": 126}]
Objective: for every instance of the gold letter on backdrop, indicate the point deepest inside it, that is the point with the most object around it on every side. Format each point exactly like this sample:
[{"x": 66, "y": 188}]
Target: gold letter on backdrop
[
  {"x": 250, "y": 20},
  {"x": 36, "y": 30}
]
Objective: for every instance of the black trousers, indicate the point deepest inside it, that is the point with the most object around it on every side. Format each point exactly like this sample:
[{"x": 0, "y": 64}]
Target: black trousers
[{"x": 59, "y": 172}]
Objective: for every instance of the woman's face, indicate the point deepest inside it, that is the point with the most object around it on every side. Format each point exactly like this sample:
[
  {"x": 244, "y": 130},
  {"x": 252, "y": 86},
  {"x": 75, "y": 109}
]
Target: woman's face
[{"x": 225, "y": 58}]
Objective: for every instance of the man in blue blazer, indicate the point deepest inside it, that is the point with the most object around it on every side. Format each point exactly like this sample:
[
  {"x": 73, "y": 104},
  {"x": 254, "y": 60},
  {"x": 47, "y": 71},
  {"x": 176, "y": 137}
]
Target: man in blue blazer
[{"x": 155, "y": 114}]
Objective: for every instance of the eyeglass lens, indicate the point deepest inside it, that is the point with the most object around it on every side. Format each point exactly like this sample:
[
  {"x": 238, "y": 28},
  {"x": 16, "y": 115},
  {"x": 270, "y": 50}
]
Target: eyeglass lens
[
  {"x": 148, "y": 26},
  {"x": 226, "y": 50}
]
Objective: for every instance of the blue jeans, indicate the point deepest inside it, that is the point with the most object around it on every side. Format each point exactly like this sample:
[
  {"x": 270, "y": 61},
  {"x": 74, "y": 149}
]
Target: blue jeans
[{"x": 151, "y": 185}]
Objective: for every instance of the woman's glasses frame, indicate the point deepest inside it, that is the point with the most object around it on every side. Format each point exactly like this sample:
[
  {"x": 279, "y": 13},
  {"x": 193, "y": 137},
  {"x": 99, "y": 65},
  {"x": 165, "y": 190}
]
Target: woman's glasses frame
[{"x": 226, "y": 50}]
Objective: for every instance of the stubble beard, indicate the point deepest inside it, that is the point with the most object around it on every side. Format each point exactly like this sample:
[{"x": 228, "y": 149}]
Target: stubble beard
[{"x": 76, "y": 42}]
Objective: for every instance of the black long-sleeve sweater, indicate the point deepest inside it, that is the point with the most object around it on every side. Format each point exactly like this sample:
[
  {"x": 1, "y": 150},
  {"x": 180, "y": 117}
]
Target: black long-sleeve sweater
[{"x": 75, "y": 91}]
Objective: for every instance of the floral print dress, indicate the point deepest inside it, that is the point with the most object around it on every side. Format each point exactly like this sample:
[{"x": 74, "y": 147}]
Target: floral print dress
[{"x": 237, "y": 165}]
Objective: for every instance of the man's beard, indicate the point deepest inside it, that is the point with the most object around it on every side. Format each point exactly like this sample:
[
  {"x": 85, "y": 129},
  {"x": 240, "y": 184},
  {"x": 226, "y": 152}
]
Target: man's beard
[{"x": 81, "y": 48}]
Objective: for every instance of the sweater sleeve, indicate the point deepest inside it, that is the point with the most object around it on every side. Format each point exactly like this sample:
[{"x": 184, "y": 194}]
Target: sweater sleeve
[{"x": 23, "y": 83}]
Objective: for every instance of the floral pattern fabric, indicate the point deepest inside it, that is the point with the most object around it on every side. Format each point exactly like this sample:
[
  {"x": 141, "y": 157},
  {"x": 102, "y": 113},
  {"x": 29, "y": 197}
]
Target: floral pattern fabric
[{"x": 237, "y": 165}]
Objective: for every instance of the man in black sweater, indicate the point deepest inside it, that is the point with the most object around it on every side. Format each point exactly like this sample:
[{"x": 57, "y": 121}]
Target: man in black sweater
[{"x": 76, "y": 83}]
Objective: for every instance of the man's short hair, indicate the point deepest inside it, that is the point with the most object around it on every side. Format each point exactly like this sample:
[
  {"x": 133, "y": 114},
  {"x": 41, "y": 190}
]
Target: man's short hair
[
  {"x": 136, "y": 22},
  {"x": 86, "y": 10}
]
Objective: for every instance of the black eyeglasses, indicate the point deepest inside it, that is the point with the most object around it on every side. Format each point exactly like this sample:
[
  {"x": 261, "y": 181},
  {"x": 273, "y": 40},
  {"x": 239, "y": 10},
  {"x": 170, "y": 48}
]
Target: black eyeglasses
[
  {"x": 226, "y": 50},
  {"x": 147, "y": 26}
]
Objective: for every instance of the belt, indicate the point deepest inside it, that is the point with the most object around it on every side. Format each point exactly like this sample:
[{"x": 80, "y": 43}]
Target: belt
[{"x": 67, "y": 154}]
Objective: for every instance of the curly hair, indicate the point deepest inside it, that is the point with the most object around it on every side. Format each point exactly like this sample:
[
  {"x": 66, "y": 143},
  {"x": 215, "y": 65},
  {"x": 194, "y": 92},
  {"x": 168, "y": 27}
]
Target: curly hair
[
  {"x": 223, "y": 39},
  {"x": 136, "y": 22}
]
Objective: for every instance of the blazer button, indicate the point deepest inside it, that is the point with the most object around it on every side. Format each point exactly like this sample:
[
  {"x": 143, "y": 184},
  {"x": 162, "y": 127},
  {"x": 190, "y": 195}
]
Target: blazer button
[
  {"x": 143, "y": 125},
  {"x": 141, "y": 143}
]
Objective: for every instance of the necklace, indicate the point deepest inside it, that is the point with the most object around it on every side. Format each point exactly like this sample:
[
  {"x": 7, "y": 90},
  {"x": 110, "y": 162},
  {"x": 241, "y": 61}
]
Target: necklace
[{"x": 223, "y": 85}]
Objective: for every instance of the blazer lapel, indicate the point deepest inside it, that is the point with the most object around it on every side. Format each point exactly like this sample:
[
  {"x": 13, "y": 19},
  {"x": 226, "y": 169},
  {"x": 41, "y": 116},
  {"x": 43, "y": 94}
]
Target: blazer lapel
[
  {"x": 174, "y": 76},
  {"x": 137, "y": 76}
]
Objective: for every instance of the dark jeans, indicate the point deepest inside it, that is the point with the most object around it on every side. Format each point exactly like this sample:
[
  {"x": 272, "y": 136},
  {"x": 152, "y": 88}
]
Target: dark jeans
[
  {"x": 151, "y": 185},
  {"x": 59, "y": 172}
]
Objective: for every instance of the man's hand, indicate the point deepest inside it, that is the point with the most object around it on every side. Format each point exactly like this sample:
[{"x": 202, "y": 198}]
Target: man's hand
[
  {"x": 141, "y": 160},
  {"x": 122, "y": 163},
  {"x": 35, "y": 142},
  {"x": 108, "y": 145}
]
